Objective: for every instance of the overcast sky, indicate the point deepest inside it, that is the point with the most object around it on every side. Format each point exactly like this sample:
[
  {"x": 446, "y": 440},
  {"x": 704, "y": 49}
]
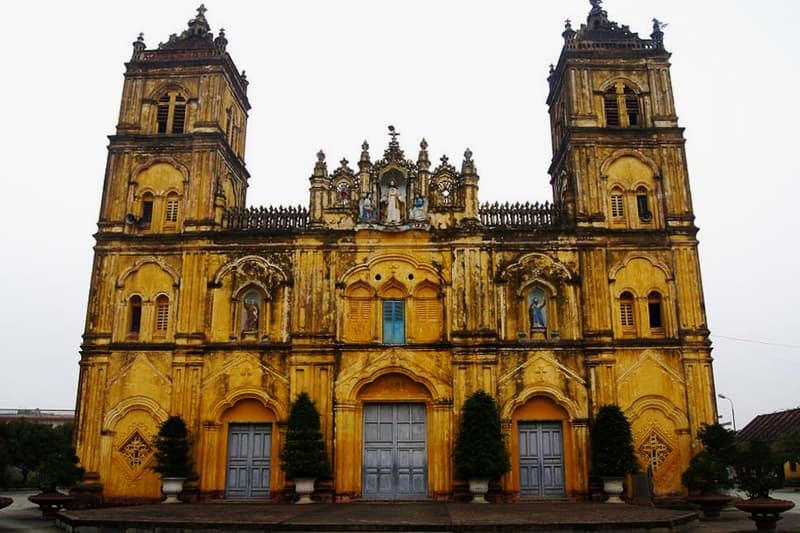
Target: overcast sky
[{"x": 328, "y": 75}]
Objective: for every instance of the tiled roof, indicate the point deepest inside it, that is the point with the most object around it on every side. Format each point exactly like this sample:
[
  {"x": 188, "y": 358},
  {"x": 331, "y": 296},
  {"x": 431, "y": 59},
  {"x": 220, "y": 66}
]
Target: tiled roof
[{"x": 768, "y": 427}]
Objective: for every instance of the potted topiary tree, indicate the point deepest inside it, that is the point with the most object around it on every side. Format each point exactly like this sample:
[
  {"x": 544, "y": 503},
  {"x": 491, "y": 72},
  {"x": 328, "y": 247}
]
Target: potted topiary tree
[
  {"x": 303, "y": 457},
  {"x": 758, "y": 471},
  {"x": 58, "y": 470},
  {"x": 709, "y": 471},
  {"x": 613, "y": 456},
  {"x": 173, "y": 459},
  {"x": 480, "y": 453}
]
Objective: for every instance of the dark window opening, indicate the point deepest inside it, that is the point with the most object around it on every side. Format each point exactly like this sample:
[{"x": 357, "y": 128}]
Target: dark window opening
[
  {"x": 147, "y": 212},
  {"x": 631, "y": 106},
  {"x": 135, "y": 322},
  {"x": 179, "y": 114},
  {"x": 643, "y": 207},
  {"x": 654, "y": 310},
  {"x": 162, "y": 115}
]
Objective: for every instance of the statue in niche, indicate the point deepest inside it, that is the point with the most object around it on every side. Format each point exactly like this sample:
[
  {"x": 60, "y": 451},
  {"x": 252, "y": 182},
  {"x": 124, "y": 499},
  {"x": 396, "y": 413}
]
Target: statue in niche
[
  {"x": 367, "y": 211},
  {"x": 420, "y": 209},
  {"x": 251, "y": 310},
  {"x": 537, "y": 314},
  {"x": 393, "y": 204}
]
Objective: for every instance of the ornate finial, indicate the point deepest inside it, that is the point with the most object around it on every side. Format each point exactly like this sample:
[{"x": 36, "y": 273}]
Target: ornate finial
[
  {"x": 199, "y": 25},
  {"x": 444, "y": 159},
  {"x": 320, "y": 156},
  {"x": 423, "y": 144},
  {"x": 220, "y": 43},
  {"x": 365, "y": 145},
  {"x": 468, "y": 155},
  {"x": 344, "y": 162},
  {"x": 138, "y": 45},
  {"x": 596, "y": 3},
  {"x": 552, "y": 69},
  {"x": 393, "y": 134},
  {"x": 568, "y": 34}
]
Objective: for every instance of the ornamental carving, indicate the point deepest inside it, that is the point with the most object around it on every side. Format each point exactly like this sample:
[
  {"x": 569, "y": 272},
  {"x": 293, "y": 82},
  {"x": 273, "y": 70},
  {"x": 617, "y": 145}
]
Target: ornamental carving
[
  {"x": 654, "y": 450},
  {"x": 136, "y": 451},
  {"x": 537, "y": 266},
  {"x": 266, "y": 273}
]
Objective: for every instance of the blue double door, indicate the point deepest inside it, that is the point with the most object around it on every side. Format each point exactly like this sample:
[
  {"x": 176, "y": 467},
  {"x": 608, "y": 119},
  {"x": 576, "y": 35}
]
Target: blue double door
[
  {"x": 249, "y": 461},
  {"x": 395, "y": 458},
  {"x": 541, "y": 459}
]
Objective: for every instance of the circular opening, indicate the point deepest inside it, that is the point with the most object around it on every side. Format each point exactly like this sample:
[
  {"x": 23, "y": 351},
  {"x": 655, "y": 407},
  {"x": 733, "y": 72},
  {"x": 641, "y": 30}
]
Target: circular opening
[
  {"x": 410, "y": 277},
  {"x": 378, "y": 277}
]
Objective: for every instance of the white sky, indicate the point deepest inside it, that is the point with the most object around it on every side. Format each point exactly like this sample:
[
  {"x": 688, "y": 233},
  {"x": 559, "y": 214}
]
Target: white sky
[{"x": 459, "y": 73}]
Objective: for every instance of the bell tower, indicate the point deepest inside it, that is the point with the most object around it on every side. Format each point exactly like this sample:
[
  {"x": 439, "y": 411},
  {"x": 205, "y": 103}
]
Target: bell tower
[
  {"x": 619, "y": 175},
  {"x": 177, "y": 159},
  {"x": 610, "y": 92}
]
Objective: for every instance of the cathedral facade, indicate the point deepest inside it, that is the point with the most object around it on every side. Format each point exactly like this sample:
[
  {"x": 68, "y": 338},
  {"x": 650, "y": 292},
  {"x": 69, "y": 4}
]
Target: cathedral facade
[{"x": 395, "y": 293}]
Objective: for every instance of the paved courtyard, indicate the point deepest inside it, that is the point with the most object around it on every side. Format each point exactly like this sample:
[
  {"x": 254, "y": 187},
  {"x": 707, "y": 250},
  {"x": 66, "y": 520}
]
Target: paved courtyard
[{"x": 424, "y": 516}]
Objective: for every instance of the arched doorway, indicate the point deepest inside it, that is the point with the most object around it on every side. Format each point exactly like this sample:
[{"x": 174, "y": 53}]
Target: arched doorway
[
  {"x": 541, "y": 440},
  {"x": 395, "y": 438},
  {"x": 249, "y": 450}
]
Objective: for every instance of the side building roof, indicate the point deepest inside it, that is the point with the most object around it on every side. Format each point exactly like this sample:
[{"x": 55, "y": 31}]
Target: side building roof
[{"x": 768, "y": 427}]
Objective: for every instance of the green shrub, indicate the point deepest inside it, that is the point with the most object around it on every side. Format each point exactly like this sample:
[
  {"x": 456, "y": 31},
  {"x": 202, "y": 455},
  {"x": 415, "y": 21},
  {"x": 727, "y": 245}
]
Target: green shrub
[
  {"x": 304, "y": 453},
  {"x": 173, "y": 449},
  {"x": 758, "y": 469},
  {"x": 480, "y": 449},
  {"x": 709, "y": 470},
  {"x": 612, "y": 443}
]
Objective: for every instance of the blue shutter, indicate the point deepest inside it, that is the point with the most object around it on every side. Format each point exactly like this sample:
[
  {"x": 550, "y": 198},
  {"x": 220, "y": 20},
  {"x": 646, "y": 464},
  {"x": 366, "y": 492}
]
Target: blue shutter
[{"x": 394, "y": 322}]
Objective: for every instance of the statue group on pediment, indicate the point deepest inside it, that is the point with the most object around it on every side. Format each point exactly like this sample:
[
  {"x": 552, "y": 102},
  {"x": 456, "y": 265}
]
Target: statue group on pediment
[{"x": 392, "y": 207}]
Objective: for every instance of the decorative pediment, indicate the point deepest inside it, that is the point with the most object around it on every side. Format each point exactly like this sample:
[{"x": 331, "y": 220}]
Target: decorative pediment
[
  {"x": 371, "y": 365},
  {"x": 244, "y": 370},
  {"x": 543, "y": 368},
  {"x": 536, "y": 266},
  {"x": 140, "y": 365},
  {"x": 253, "y": 270}
]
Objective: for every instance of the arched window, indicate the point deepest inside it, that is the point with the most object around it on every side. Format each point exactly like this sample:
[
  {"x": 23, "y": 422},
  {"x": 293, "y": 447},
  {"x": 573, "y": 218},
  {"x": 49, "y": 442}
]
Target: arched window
[
  {"x": 394, "y": 321},
  {"x": 631, "y": 106},
  {"x": 654, "y": 310},
  {"x": 171, "y": 113},
  {"x": 162, "y": 315},
  {"x": 359, "y": 322},
  {"x": 626, "y": 316},
  {"x": 171, "y": 210},
  {"x": 393, "y": 312},
  {"x": 621, "y": 106},
  {"x": 617, "y": 204},
  {"x": 427, "y": 319},
  {"x": 643, "y": 204},
  {"x": 611, "y": 106},
  {"x": 147, "y": 210},
  {"x": 251, "y": 311},
  {"x": 134, "y": 316}
]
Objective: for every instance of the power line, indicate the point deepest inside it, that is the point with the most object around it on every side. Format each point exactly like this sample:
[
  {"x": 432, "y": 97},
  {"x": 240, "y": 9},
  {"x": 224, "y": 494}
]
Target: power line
[{"x": 752, "y": 341}]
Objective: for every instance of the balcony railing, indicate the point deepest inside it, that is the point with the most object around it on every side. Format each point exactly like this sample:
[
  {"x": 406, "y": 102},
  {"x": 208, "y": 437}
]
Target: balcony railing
[
  {"x": 266, "y": 218},
  {"x": 519, "y": 216}
]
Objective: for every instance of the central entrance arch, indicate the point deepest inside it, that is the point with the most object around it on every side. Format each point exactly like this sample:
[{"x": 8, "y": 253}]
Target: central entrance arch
[
  {"x": 395, "y": 451},
  {"x": 395, "y": 437}
]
